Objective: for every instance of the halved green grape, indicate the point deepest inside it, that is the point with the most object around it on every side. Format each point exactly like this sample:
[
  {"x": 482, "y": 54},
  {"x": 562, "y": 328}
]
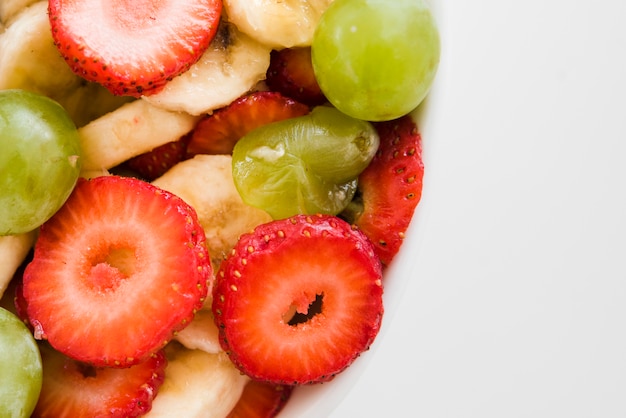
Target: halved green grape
[
  {"x": 40, "y": 160},
  {"x": 20, "y": 368},
  {"x": 307, "y": 164},
  {"x": 376, "y": 59}
]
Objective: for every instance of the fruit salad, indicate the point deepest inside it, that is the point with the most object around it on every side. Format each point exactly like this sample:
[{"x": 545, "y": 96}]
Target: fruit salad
[{"x": 200, "y": 198}]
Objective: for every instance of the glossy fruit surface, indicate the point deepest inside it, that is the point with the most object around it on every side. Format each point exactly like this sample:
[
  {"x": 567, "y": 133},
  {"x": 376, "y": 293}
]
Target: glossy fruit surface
[
  {"x": 307, "y": 164},
  {"x": 390, "y": 187},
  {"x": 122, "y": 263},
  {"x": 217, "y": 133},
  {"x": 376, "y": 59},
  {"x": 78, "y": 390},
  {"x": 40, "y": 160},
  {"x": 20, "y": 367},
  {"x": 298, "y": 299},
  {"x": 133, "y": 47}
]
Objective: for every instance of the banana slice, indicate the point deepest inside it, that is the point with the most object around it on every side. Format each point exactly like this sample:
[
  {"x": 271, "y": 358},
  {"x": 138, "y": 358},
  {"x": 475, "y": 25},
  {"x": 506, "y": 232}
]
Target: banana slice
[
  {"x": 13, "y": 250},
  {"x": 29, "y": 60},
  {"x": 197, "y": 385},
  {"x": 206, "y": 183},
  {"x": 279, "y": 24},
  {"x": 201, "y": 333},
  {"x": 231, "y": 66},
  {"x": 130, "y": 130},
  {"x": 10, "y": 8},
  {"x": 28, "y": 57}
]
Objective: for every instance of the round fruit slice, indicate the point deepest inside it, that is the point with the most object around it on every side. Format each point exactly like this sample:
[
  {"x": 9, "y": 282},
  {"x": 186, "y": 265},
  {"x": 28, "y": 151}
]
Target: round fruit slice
[
  {"x": 73, "y": 389},
  {"x": 298, "y": 299},
  {"x": 277, "y": 23},
  {"x": 119, "y": 269},
  {"x": 133, "y": 48}
]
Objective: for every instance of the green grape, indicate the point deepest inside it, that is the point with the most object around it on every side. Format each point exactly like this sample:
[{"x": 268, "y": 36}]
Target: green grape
[
  {"x": 20, "y": 368},
  {"x": 376, "y": 59},
  {"x": 307, "y": 164},
  {"x": 39, "y": 160}
]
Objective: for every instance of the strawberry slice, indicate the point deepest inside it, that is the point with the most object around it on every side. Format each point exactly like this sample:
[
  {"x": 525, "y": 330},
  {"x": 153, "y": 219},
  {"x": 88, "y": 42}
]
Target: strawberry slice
[
  {"x": 133, "y": 48},
  {"x": 291, "y": 73},
  {"x": 153, "y": 164},
  {"x": 76, "y": 390},
  {"x": 261, "y": 400},
  {"x": 218, "y": 133},
  {"x": 116, "y": 271},
  {"x": 390, "y": 187},
  {"x": 298, "y": 299}
]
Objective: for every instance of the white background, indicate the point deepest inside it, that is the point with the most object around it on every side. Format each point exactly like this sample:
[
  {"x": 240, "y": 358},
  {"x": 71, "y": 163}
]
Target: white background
[{"x": 516, "y": 306}]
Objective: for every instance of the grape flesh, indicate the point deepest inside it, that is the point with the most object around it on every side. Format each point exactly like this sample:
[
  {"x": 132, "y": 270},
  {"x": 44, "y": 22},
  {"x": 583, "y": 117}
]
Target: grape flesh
[
  {"x": 376, "y": 59},
  {"x": 20, "y": 367},
  {"x": 304, "y": 165},
  {"x": 40, "y": 160}
]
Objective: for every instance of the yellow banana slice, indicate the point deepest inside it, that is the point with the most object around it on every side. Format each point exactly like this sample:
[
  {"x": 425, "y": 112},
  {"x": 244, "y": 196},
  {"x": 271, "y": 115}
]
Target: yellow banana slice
[
  {"x": 232, "y": 65},
  {"x": 206, "y": 183},
  {"x": 279, "y": 24}
]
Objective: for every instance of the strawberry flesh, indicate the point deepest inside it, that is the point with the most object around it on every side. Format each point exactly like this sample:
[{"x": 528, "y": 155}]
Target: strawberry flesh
[
  {"x": 71, "y": 389},
  {"x": 153, "y": 164},
  {"x": 390, "y": 188},
  {"x": 261, "y": 400},
  {"x": 217, "y": 133},
  {"x": 132, "y": 48},
  {"x": 116, "y": 271},
  {"x": 298, "y": 299},
  {"x": 291, "y": 73}
]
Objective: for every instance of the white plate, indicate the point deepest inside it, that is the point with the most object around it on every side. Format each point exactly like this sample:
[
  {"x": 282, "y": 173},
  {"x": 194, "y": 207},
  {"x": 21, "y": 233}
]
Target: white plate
[{"x": 515, "y": 299}]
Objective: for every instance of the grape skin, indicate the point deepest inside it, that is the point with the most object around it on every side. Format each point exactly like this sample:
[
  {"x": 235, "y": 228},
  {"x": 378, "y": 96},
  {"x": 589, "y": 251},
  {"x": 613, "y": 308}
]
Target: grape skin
[
  {"x": 40, "y": 160},
  {"x": 308, "y": 164},
  {"x": 20, "y": 367},
  {"x": 376, "y": 59}
]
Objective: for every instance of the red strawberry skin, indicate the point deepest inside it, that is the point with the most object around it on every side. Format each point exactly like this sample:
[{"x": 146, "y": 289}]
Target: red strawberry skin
[
  {"x": 153, "y": 164},
  {"x": 74, "y": 390},
  {"x": 116, "y": 271},
  {"x": 291, "y": 73},
  {"x": 132, "y": 48},
  {"x": 391, "y": 186},
  {"x": 298, "y": 299},
  {"x": 218, "y": 133},
  {"x": 261, "y": 400}
]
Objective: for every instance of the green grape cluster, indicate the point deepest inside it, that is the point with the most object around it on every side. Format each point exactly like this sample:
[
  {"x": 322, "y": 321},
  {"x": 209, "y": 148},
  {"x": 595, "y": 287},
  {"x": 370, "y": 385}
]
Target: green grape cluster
[{"x": 40, "y": 160}]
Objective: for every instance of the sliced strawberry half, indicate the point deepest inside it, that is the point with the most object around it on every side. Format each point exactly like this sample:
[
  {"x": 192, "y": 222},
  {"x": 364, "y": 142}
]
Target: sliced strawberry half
[
  {"x": 390, "y": 187},
  {"x": 132, "y": 48},
  {"x": 261, "y": 400},
  {"x": 298, "y": 299},
  {"x": 116, "y": 271},
  {"x": 71, "y": 389},
  {"x": 153, "y": 164},
  {"x": 218, "y": 133},
  {"x": 291, "y": 73}
]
